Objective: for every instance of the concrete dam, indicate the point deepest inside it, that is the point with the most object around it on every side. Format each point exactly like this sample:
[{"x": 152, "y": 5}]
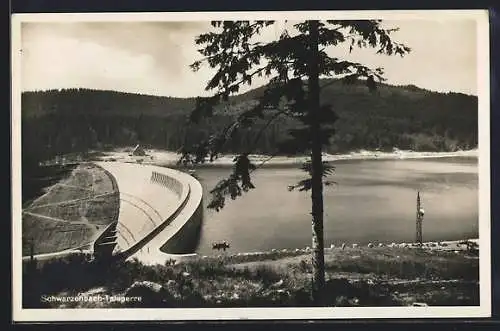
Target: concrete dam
[{"x": 160, "y": 214}]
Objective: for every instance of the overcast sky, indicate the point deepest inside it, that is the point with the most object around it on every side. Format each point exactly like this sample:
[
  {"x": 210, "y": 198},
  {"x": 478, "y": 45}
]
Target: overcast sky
[{"x": 153, "y": 57}]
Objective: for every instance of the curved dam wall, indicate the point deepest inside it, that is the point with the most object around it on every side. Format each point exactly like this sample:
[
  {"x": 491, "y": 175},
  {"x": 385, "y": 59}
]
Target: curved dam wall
[
  {"x": 161, "y": 210},
  {"x": 186, "y": 238}
]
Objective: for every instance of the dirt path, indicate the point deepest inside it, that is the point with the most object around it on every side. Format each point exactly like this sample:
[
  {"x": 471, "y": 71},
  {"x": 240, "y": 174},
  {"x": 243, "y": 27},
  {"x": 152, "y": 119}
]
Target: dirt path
[
  {"x": 75, "y": 186},
  {"x": 70, "y": 201},
  {"x": 54, "y": 219}
]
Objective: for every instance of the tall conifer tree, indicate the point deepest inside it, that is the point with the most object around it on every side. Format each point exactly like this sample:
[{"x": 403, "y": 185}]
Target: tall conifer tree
[{"x": 293, "y": 65}]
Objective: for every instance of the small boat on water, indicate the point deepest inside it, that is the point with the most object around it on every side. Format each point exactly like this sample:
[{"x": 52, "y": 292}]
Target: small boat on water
[{"x": 220, "y": 245}]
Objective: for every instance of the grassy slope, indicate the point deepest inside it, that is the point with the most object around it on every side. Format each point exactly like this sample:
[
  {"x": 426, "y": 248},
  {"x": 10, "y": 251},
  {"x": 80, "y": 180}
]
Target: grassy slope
[
  {"x": 355, "y": 277},
  {"x": 75, "y": 208}
]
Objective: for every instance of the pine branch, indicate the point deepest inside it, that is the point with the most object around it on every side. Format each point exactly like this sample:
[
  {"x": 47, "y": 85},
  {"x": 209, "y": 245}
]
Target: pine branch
[
  {"x": 269, "y": 158},
  {"x": 263, "y": 129},
  {"x": 238, "y": 61}
]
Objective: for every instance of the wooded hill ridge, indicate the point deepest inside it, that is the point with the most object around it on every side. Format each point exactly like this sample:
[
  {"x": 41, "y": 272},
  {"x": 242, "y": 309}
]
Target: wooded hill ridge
[{"x": 406, "y": 117}]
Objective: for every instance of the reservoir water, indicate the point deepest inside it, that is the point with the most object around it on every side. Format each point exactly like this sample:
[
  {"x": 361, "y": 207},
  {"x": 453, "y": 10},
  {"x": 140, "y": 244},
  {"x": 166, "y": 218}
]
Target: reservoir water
[{"x": 373, "y": 201}]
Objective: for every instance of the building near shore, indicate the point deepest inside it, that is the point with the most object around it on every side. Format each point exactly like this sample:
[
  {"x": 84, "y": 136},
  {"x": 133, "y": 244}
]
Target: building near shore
[{"x": 138, "y": 151}]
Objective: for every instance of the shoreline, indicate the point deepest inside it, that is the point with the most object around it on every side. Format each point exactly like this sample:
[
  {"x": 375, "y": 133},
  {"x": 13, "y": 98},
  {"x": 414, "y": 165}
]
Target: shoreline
[
  {"x": 152, "y": 259},
  {"x": 455, "y": 246},
  {"x": 444, "y": 245},
  {"x": 168, "y": 158}
]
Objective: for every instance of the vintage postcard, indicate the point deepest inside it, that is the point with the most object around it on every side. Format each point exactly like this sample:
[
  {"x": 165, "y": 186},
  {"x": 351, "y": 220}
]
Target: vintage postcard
[{"x": 250, "y": 165}]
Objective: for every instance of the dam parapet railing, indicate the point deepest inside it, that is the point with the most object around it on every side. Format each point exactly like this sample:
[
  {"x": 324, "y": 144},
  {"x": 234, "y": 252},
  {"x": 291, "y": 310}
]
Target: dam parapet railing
[
  {"x": 184, "y": 225},
  {"x": 169, "y": 182}
]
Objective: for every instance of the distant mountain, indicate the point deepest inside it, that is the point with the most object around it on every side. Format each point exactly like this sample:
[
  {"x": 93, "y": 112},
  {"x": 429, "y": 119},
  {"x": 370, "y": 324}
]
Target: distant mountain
[
  {"x": 100, "y": 102},
  {"x": 407, "y": 117}
]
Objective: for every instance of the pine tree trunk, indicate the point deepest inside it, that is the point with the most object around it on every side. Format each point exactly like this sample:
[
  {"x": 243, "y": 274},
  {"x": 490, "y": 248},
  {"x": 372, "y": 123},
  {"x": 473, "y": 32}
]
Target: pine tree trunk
[{"x": 318, "y": 258}]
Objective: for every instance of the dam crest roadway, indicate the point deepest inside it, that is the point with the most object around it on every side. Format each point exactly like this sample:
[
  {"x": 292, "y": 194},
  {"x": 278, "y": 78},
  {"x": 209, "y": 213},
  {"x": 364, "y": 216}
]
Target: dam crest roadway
[{"x": 160, "y": 208}]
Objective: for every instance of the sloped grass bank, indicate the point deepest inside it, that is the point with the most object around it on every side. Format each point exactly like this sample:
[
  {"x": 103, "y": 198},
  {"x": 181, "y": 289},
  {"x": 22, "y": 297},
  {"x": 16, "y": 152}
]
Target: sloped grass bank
[
  {"x": 361, "y": 277},
  {"x": 71, "y": 212}
]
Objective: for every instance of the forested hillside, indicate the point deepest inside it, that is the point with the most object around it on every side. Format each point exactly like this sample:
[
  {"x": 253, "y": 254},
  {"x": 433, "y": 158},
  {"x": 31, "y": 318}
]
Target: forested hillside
[{"x": 407, "y": 117}]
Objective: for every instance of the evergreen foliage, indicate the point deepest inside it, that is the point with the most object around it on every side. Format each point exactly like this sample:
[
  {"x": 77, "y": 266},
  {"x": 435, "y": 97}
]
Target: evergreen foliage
[
  {"x": 406, "y": 117},
  {"x": 293, "y": 64}
]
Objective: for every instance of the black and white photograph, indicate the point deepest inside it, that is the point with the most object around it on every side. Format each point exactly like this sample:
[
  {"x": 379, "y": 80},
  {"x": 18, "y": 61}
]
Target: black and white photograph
[{"x": 283, "y": 165}]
